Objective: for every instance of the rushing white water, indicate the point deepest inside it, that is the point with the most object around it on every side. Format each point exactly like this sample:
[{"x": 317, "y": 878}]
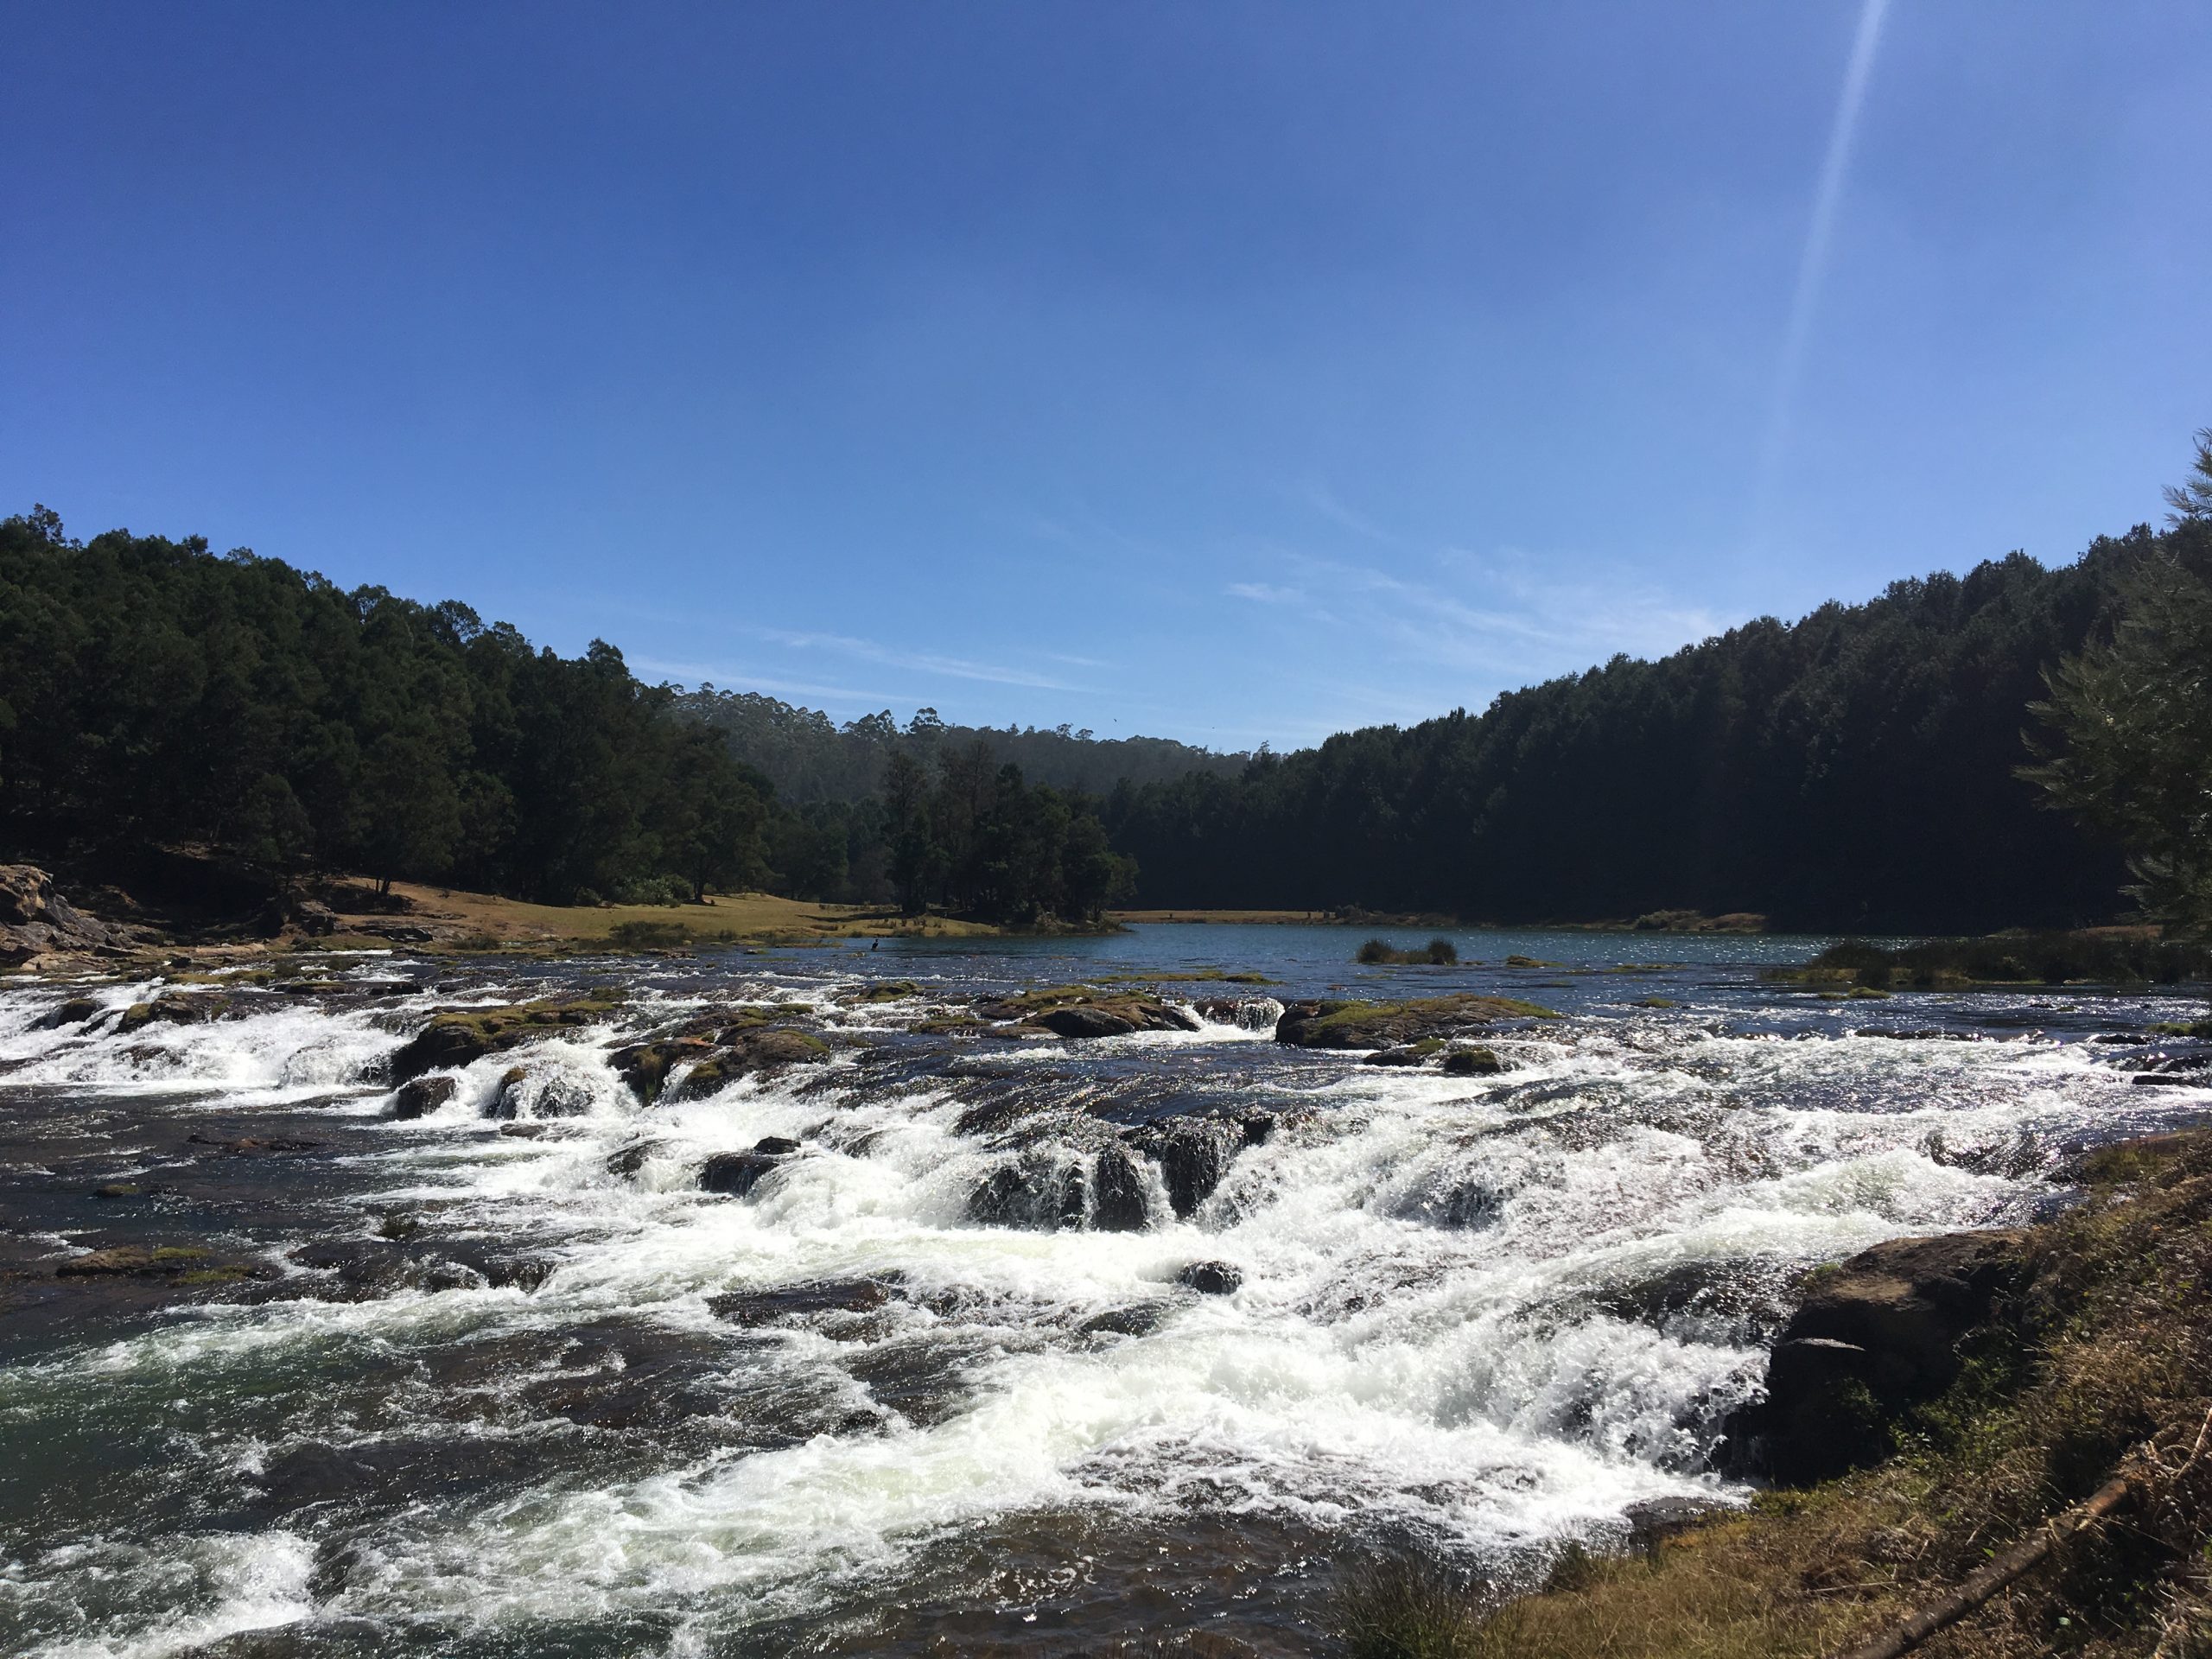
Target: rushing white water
[{"x": 1487, "y": 1312}]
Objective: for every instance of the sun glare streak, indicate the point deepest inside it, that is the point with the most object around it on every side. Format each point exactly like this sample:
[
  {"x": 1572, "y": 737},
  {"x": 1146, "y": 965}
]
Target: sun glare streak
[{"x": 1812, "y": 266}]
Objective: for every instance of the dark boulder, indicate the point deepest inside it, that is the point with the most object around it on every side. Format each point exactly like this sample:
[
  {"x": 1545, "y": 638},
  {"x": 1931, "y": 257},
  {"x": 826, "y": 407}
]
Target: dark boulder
[
  {"x": 1117, "y": 1193},
  {"x": 1406, "y": 1054},
  {"x": 1085, "y": 1022},
  {"x": 1212, "y": 1278},
  {"x": 1038, "y": 1191},
  {"x": 1193, "y": 1155},
  {"x": 423, "y": 1097},
  {"x": 774, "y": 1145},
  {"x": 1874, "y": 1336},
  {"x": 736, "y": 1173},
  {"x": 1472, "y": 1063},
  {"x": 74, "y": 1012},
  {"x": 645, "y": 1066}
]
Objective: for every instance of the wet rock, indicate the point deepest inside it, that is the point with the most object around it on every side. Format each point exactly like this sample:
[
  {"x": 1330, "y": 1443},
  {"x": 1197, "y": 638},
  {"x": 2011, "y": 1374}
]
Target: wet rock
[
  {"x": 1085, "y": 1022},
  {"x": 1137, "y": 1320},
  {"x": 1246, "y": 1013},
  {"x": 759, "y": 1307},
  {"x": 645, "y": 1066},
  {"x": 749, "y": 1051},
  {"x": 125, "y": 1190},
  {"x": 423, "y": 1097},
  {"x": 1406, "y": 1054},
  {"x": 1041, "y": 1189},
  {"x": 1472, "y": 1062},
  {"x": 74, "y": 1012},
  {"x": 1343, "y": 1024},
  {"x": 508, "y": 1096},
  {"x": 1193, "y": 1155},
  {"x": 253, "y": 1145},
  {"x": 1084, "y": 1011},
  {"x": 134, "y": 1259},
  {"x": 1118, "y": 1192},
  {"x": 628, "y": 1160},
  {"x": 775, "y": 1145},
  {"x": 1873, "y": 1336},
  {"x": 1652, "y": 1522},
  {"x": 882, "y": 990},
  {"x": 736, "y": 1173},
  {"x": 1212, "y": 1278},
  {"x": 458, "y": 1036}
]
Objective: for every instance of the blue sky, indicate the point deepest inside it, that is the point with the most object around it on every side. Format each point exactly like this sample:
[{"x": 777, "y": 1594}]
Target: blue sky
[{"x": 1225, "y": 372}]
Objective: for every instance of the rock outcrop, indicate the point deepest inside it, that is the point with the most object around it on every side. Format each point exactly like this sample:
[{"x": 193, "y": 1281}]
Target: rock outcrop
[
  {"x": 1084, "y": 1011},
  {"x": 1337, "y": 1024},
  {"x": 36, "y": 920},
  {"x": 1874, "y": 1336}
]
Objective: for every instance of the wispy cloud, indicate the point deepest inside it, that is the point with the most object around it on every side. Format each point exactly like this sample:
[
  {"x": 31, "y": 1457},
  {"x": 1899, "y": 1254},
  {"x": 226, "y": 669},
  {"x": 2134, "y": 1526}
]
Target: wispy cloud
[
  {"x": 1266, "y": 593},
  {"x": 958, "y": 668}
]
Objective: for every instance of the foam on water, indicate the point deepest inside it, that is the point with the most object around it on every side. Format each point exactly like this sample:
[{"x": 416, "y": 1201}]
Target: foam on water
[{"x": 1451, "y": 1319}]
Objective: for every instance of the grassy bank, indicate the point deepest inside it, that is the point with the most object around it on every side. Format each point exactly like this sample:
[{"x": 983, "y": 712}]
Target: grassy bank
[
  {"x": 2101, "y": 956},
  {"x": 2106, "y": 1350},
  {"x": 485, "y": 920}
]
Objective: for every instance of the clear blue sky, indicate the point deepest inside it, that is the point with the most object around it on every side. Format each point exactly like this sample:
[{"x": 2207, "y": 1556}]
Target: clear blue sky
[{"x": 1226, "y": 372}]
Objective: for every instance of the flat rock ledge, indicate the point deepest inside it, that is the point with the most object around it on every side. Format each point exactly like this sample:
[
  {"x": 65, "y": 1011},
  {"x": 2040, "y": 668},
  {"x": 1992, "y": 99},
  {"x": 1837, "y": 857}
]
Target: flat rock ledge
[{"x": 1350, "y": 1024}]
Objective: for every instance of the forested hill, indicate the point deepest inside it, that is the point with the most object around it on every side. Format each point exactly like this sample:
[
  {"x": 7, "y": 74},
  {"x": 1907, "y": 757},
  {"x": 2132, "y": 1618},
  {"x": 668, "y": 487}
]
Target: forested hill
[
  {"x": 1854, "y": 770},
  {"x": 809, "y": 758}
]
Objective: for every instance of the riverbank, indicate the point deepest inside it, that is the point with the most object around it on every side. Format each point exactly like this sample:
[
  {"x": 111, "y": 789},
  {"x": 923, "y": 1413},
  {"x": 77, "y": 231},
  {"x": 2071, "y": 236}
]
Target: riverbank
[{"x": 2086, "y": 1356}]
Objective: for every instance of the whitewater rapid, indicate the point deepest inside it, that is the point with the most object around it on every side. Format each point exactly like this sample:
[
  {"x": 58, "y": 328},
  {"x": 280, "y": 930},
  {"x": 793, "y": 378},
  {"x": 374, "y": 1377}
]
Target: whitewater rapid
[{"x": 1476, "y": 1316}]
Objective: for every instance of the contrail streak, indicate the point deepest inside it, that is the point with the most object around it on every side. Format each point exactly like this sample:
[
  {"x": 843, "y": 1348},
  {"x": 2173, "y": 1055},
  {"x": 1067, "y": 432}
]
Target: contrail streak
[{"x": 1812, "y": 266}]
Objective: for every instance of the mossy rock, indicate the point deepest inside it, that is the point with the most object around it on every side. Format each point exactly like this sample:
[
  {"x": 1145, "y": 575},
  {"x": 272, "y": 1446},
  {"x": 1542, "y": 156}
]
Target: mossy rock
[
  {"x": 461, "y": 1035},
  {"x": 1084, "y": 1011},
  {"x": 754, "y": 1051},
  {"x": 882, "y": 990},
  {"x": 1866, "y": 994},
  {"x": 2183, "y": 1029},
  {"x": 1655, "y": 1002},
  {"x": 1340, "y": 1025}
]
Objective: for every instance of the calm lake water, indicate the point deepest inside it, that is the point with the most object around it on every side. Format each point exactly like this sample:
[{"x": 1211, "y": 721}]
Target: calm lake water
[{"x": 516, "y": 1385}]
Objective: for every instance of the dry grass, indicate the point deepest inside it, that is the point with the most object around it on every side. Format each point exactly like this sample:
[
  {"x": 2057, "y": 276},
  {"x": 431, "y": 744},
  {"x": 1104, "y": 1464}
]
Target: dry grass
[
  {"x": 2108, "y": 1348},
  {"x": 488, "y": 918}
]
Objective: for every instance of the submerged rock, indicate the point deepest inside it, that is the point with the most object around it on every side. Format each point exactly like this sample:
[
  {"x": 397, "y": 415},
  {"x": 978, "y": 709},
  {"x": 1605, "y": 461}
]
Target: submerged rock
[{"x": 759, "y": 1307}]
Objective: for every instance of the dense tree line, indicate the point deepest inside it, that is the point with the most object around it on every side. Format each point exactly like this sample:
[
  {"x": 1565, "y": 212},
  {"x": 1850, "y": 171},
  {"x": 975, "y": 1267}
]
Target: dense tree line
[
  {"x": 810, "y": 758},
  {"x": 155, "y": 694},
  {"x": 152, "y": 692},
  {"x": 1857, "y": 769}
]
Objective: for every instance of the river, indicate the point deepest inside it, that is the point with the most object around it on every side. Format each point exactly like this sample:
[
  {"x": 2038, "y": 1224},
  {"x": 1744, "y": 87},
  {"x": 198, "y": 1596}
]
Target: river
[{"x": 503, "y": 1379}]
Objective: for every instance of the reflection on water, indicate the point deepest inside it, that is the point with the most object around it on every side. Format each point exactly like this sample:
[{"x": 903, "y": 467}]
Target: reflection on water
[{"x": 504, "y": 1379}]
